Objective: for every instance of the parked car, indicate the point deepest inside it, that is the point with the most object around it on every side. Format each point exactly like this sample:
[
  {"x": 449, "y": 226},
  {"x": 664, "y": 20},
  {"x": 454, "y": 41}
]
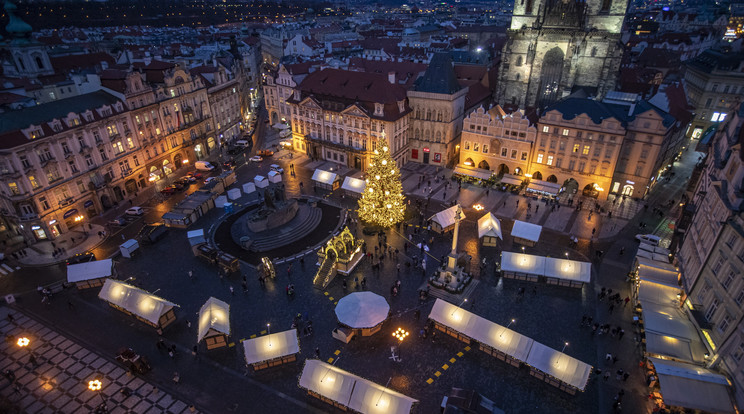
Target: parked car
[
  {"x": 209, "y": 180},
  {"x": 265, "y": 153},
  {"x": 81, "y": 258},
  {"x": 651, "y": 239},
  {"x": 277, "y": 168},
  {"x": 119, "y": 221},
  {"x": 196, "y": 174},
  {"x": 256, "y": 158},
  {"x": 170, "y": 190},
  {"x": 188, "y": 179},
  {"x": 203, "y": 166},
  {"x": 151, "y": 233},
  {"x": 135, "y": 211}
]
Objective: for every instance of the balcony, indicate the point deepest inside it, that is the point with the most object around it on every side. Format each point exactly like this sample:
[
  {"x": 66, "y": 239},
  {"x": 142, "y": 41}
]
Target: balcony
[
  {"x": 68, "y": 154},
  {"x": 28, "y": 217},
  {"x": 114, "y": 137},
  {"x": 67, "y": 201},
  {"x": 84, "y": 149},
  {"x": 126, "y": 173}
]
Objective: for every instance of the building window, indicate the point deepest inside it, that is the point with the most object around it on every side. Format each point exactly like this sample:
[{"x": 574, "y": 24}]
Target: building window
[
  {"x": 550, "y": 160},
  {"x": 717, "y": 267},
  {"x": 608, "y": 153},
  {"x": 524, "y": 156},
  {"x": 14, "y": 188},
  {"x": 44, "y": 203},
  {"x": 104, "y": 156},
  {"x": 485, "y": 148},
  {"x": 80, "y": 186},
  {"x": 728, "y": 280},
  {"x": 725, "y": 322},
  {"x": 578, "y": 134},
  {"x": 504, "y": 152},
  {"x": 130, "y": 143},
  {"x": 514, "y": 154},
  {"x": 467, "y": 145},
  {"x": 562, "y": 146},
  {"x": 34, "y": 182},
  {"x": 740, "y": 297},
  {"x": 739, "y": 352},
  {"x": 565, "y": 132},
  {"x": 73, "y": 167},
  {"x": 571, "y": 164},
  {"x": 586, "y": 150},
  {"x": 558, "y": 162},
  {"x": 539, "y": 158},
  {"x": 546, "y": 129},
  {"x": 718, "y": 117},
  {"x": 712, "y": 308},
  {"x": 576, "y": 147},
  {"x": 582, "y": 166},
  {"x": 552, "y": 144},
  {"x": 476, "y": 146},
  {"x": 118, "y": 148}
]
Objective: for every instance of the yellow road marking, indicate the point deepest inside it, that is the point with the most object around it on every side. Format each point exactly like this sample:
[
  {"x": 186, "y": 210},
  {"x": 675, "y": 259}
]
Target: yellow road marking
[
  {"x": 467, "y": 348},
  {"x": 263, "y": 332},
  {"x": 253, "y": 336},
  {"x": 452, "y": 361},
  {"x": 460, "y": 354},
  {"x": 330, "y": 360},
  {"x": 331, "y": 298},
  {"x": 429, "y": 381},
  {"x": 338, "y": 351},
  {"x": 231, "y": 344},
  {"x": 436, "y": 374},
  {"x": 325, "y": 293},
  {"x": 445, "y": 367}
]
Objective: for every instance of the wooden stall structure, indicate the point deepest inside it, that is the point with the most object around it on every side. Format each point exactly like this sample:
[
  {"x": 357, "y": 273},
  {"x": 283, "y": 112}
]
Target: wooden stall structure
[
  {"x": 326, "y": 180},
  {"x": 526, "y": 234},
  {"x": 551, "y": 270},
  {"x": 271, "y": 350},
  {"x": 349, "y": 392},
  {"x": 489, "y": 230},
  {"x": 148, "y": 308},
  {"x": 353, "y": 187},
  {"x": 558, "y": 369},
  {"x": 214, "y": 323},
  {"x": 444, "y": 221},
  {"x": 90, "y": 274}
]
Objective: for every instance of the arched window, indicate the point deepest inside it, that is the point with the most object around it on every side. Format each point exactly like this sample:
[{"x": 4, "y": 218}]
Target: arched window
[
  {"x": 519, "y": 60},
  {"x": 417, "y": 134},
  {"x": 439, "y": 116},
  {"x": 428, "y": 115},
  {"x": 20, "y": 63},
  {"x": 418, "y": 113},
  {"x": 439, "y": 136},
  {"x": 39, "y": 62}
]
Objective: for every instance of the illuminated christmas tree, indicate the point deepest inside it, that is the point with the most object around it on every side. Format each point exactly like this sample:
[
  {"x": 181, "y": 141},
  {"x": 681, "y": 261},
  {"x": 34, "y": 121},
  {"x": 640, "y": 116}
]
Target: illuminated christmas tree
[{"x": 382, "y": 202}]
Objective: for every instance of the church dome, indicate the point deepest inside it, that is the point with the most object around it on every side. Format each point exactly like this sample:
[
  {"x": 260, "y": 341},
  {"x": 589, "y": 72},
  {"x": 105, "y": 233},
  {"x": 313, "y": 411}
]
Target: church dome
[{"x": 16, "y": 26}]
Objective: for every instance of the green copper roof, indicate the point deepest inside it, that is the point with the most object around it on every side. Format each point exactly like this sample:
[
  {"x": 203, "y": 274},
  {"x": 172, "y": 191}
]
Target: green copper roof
[{"x": 16, "y": 26}]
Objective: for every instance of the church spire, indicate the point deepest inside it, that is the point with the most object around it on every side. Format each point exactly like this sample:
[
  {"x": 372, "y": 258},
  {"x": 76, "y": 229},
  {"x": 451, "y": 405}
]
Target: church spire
[{"x": 16, "y": 27}]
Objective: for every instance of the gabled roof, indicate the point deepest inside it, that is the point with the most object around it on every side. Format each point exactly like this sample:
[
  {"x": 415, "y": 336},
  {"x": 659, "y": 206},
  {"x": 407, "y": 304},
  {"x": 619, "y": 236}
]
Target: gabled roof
[
  {"x": 570, "y": 108},
  {"x": 710, "y": 60},
  {"x": 439, "y": 77},
  {"x": 69, "y": 63}
]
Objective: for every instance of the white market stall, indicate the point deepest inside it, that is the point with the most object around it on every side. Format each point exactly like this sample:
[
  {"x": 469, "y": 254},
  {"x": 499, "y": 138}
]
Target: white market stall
[
  {"x": 214, "y": 323},
  {"x": 558, "y": 369},
  {"x": 543, "y": 188},
  {"x": 233, "y": 193},
  {"x": 489, "y": 230},
  {"x": 90, "y": 274},
  {"x": 554, "y": 271},
  {"x": 662, "y": 258},
  {"x": 325, "y": 179},
  {"x": 522, "y": 266},
  {"x": 143, "y": 305},
  {"x": 511, "y": 179},
  {"x": 275, "y": 177},
  {"x": 650, "y": 292},
  {"x": 249, "y": 188},
  {"x": 669, "y": 333},
  {"x": 220, "y": 201},
  {"x": 353, "y": 186},
  {"x": 345, "y": 390},
  {"x": 128, "y": 248},
  {"x": 526, "y": 234},
  {"x": 280, "y": 126},
  {"x": 260, "y": 181},
  {"x": 444, "y": 220},
  {"x": 691, "y": 387},
  {"x": 657, "y": 272},
  {"x": 468, "y": 171},
  {"x": 271, "y": 350},
  {"x": 363, "y": 312}
]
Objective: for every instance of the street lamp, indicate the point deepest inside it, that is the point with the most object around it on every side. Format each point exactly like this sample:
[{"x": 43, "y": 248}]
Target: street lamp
[
  {"x": 268, "y": 328},
  {"x": 565, "y": 344},
  {"x": 23, "y": 342},
  {"x": 507, "y": 327},
  {"x": 566, "y": 255},
  {"x": 458, "y": 306},
  {"x": 401, "y": 334},
  {"x": 96, "y": 385}
]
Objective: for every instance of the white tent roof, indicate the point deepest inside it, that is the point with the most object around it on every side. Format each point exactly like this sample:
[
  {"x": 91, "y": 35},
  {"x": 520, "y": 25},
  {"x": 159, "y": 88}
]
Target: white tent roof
[
  {"x": 276, "y": 345},
  {"x": 547, "y": 187},
  {"x": 90, "y": 270},
  {"x": 669, "y": 332},
  {"x": 559, "y": 365},
  {"x": 275, "y": 177},
  {"x": 249, "y": 188},
  {"x": 657, "y": 272},
  {"x": 258, "y": 178},
  {"x": 650, "y": 292},
  {"x": 196, "y": 237},
  {"x": 214, "y": 314},
  {"x": 568, "y": 269},
  {"x": 473, "y": 172},
  {"x": 355, "y": 185},
  {"x": 135, "y": 300},
  {"x": 653, "y": 249},
  {"x": 522, "y": 263},
  {"x": 359, "y": 394},
  {"x": 511, "y": 179},
  {"x": 446, "y": 218},
  {"x": 527, "y": 231},
  {"x": 324, "y": 177},
  {"x": 129, "y": 244},
  {"x": 489, "y": 225},
  {"x": 455, "y": 317},
  {"x": 692, "y": 386},
  {"x": 362, "y": 309}
]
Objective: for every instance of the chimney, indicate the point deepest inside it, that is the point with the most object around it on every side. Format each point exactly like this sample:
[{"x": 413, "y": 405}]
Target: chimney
[{"x": 391, "y": 77}]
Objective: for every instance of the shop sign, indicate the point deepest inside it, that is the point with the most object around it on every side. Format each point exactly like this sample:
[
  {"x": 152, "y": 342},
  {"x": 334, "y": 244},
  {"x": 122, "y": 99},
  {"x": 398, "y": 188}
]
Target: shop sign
[
  {"x": 70, "y": 213},
  {"x": 88, "y": 203},
  {"x": 437, "y": 157}
]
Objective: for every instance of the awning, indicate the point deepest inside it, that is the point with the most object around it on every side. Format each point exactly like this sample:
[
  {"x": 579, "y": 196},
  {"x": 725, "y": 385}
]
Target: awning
[
  {"x": 544, "y": 186},
  {"x": 653, "y": 249},
  {"x": 650, "y": 292},
  {"x": 446, "y": 218},
  {"x": 355, "y": 185},
  {"x": 349, "y": 390},
  {"x": 512, "y": 179},
  {"x": 279, "y": 125},
  {"x": 546, "y": 266},
  {"x": 657, "y": 272},
  {"x": 135, "y": 300},
  {"x": 473, "y": 172},
  {"x": 558, "y": 365},
  {"x": 324, "y": 177},
  {"x": 489, "y": 225},
  {"x": 527, "y": 231},
  {"x": 670, "y": 332},
  {"x": 362, "y": 310},
  {"x": 213, "y": 315},
  {"x": 90, "y": 270},
  {"x": 693, "y": 387},
  {"x": 267, "y": 347}
]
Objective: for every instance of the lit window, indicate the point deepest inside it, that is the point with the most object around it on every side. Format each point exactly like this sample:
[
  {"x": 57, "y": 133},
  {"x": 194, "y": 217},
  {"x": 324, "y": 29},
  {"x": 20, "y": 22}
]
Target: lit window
[
  {"x": 718, "y": 117},
  {"x": 576, "y": 148},
  {"x": 539, "y": 158},
  {"x": 565, "y": 132},
  {"x": 586, "y": 150},
  {"x": 546, "y": 129},
  {"x": 550, "y": 160}
]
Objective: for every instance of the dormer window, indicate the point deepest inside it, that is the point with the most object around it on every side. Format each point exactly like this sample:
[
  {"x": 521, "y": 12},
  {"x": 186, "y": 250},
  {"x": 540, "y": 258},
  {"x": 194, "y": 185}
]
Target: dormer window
[
  {"x": 74, "y": 122},
  {"x": 379, "y": 109},
  {"x": 402, "y": 106},
  {"x": 35, "y": 133}
]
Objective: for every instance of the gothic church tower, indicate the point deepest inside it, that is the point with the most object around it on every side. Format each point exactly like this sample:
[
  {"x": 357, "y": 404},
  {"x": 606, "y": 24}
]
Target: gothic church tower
[{"x": 556, "y": 46}]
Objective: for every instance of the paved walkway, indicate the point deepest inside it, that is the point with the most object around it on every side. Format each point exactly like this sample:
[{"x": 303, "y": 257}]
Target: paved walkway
[{"x": 58, "y": 382}]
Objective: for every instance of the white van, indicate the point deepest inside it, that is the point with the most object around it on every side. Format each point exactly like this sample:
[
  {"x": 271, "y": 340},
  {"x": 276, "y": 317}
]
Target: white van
[
  {"x": 648, "y": 239},
  {"x": 242, "y": 143},
  {"x": 203, "y": 166}
]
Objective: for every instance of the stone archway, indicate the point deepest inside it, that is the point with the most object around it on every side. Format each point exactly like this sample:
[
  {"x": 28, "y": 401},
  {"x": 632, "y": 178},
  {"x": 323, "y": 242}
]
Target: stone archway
[
  {"x": 105, "y": 201},
  {"x": 130, "y": 186},
  {"x": 591, "y": 190},
  {"x": 503, "y": 169},
  {"x": 469, "y": 162},
  {"x": 537, "y": 175},
  {"x": 518, "y": 171},
  {"x": 550, "y": 75},
  {"x": 178, "y": 160},
  {"x": 552, "y": 179},
  {"x": 571, "y": 186},
  {"x": 167, "y": 167},
  {"x": 484, "y": 165}
]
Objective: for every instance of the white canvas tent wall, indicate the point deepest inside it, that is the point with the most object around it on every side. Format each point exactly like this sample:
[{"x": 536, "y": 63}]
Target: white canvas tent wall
[
  {"x": 324, "y": 177},
  {"x": 445, "y": 219},
  {"x": 489, "y": 225},
  {"x": 693, "y": 387},
  {"x": 526, "y": 231},
  {"x": 351, "y": 391},
  {"x": 520, "y": 263},
  {"x": 275, "y": 177},
  {"x": 558, "y": 365},
  {"x": 353, "y": 185},
  {"x": 91, "y": 270},
  {"x": 249, "y": 188},
  {"x": 214, "y": 318},
  {"x": 570, "y": 270},
  {"x": 135, "y": 300},
  {"x": 260, "y": 181},
  {"x": 670, "y": 333},
  {"x": 270, "y": 347}
]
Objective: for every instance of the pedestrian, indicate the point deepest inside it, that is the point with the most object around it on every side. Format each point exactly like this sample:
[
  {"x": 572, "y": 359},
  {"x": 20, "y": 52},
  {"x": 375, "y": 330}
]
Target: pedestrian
[
  {"x": 191, "y": 274},
  {"x": 10, "y": 318},
  {"x": 17, "y": 388},
  {"x": 607, "y": 375},
  {"x": 245, "y": 286},
  {"x": 612, "y": 307},
  {"x": 619, "y": 373},
  {"x": 608, "y": 357},
  {"x": 534, "y": 290},
  {"x": 188, "y": 323},
  {"x": 10, "y": 375},
  {"x": 620, "y": 334},
  {"x": 317, "y": 352},
  {"x": 176, "y": 378},
  {"x": 161, "y": 345},
  {"x": 345, "y": 286},
  {"x": 195, "y": 351},
  {"x": 614, "y": 359},
  {"x": 32, "y": 360},
  {"x": 627, "y": 299},
  {"x": 232, "y": 290},
  {"x": 625, "y": 376}
]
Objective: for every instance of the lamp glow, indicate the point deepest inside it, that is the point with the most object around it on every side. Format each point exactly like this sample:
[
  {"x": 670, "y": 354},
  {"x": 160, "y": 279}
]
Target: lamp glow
[
  {"x": 23, "y": 342},
  {"x": 401, "y": 334}
]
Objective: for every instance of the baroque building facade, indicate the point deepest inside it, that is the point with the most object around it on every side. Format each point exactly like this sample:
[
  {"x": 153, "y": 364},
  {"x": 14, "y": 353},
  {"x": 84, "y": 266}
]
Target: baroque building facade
[{"x": 556, "y": 46}]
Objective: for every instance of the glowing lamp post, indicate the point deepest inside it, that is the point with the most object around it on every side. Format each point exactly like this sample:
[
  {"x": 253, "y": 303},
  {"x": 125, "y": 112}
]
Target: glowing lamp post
[
  {"x": 23, "y": 342},
  {"x": 400, "y": 334},
  {"x": 458, "y": 306},
  {"x": 96, "y": 385},
  {"x": 507, "y": 327}
]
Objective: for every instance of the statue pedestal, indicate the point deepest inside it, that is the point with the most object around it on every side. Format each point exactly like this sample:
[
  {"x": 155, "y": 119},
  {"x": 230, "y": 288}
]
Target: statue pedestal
[{"x": 450, "y": 276}]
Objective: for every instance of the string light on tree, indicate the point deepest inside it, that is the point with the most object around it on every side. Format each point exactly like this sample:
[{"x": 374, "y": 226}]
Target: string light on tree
[{"x": 382, "y": 202}]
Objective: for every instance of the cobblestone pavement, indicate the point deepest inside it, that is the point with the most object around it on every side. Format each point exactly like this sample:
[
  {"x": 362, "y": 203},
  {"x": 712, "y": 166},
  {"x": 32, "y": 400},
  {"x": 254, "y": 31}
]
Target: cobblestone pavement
[{"x": 57, "y": 382}]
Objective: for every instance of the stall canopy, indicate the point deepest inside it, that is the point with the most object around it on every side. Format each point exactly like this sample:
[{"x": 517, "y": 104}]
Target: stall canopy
[
  {"x": 522, "y": 263},
  {"x": 135, "y": 300},
  {"x": 559, "y": 365},
  {"x": 527, "y": 231},
  {"x": 213, "y": 316},
  {"x": 650, "y": 292},
  {"x": 663, "y": 258},
  {"x": 653, "y": 249},
  {"x": 268, "y": 347},
  {"x": 511, "y": 179},
  {"x": 544, "y": 187},
  {"x": 347, "y": 389},
  {"x": 473, "y": 172},
  {"x": 90, "y": 270},
  {"x": 249, "y": 188},
  {"x": 355, "y": 185},
  {"x": 281, "y": 126},
  {"x": 669, "y": 332},
  {"x": 657, "y": 272},
  {"x": 446, "y": 218},
  {"x": 693, "y": 387},
  {"x": 546, "y": 266},
  {"x": 489, "y": 225},
  {"x": 362, "y": 310},
  {"x": 324, "y": 177},
  {"x": 196, "y": 237}
]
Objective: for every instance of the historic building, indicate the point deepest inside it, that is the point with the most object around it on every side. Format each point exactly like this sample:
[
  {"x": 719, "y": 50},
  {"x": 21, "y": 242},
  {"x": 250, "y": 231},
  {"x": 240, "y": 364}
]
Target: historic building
[
  {"x": 224, "y": 103},
  {"x": 494, "y": 141},
  {"x": 711, "y": 254},
  {"x": 437, "y": 105},
  {"x": 557, "y": 46},
  {"x": 337, "y": 115},
  {"x": 715, "y": 85}
]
